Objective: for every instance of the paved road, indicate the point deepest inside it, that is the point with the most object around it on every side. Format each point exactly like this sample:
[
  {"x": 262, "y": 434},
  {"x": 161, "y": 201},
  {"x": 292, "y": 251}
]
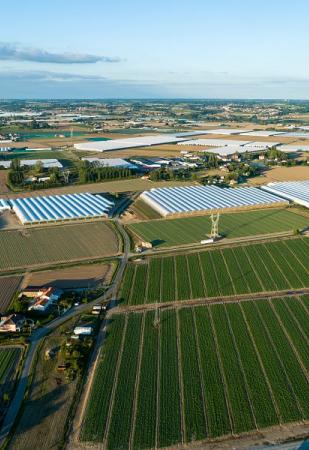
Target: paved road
[{"x": 37, "y": 335}]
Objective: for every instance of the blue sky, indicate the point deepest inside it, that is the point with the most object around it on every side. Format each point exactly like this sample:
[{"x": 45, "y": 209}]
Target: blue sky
[{"x": 154, "y": 49}]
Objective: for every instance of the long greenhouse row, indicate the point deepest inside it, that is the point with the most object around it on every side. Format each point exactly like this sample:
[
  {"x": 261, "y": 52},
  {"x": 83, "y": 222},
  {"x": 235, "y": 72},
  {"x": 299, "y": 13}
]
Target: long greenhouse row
[
  {"x": 53, "y": 208},
  {"x": 297, "y": 191},
  {"x": 190, "y": 199},
  {"x": 199, "y": 373}
]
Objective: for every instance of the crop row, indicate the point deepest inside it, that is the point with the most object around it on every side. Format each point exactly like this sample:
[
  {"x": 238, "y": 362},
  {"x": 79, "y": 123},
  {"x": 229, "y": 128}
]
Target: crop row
[
  {"x": 204, "y": 372},
  {"x": 56, "y": 244},
  {"x": 281, "y": 265},
  {"x": 7, "y": 359}
]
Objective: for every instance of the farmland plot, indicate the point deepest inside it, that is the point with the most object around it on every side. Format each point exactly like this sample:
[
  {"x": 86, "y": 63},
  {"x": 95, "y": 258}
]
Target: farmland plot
[
  {"x": 173, "y": 232},
  {"x": 198, "y": 373},
  {"x": 56, "y": 244},
  {"x": 8, "y": 287},
  {"x": 214, "y": 273},
  {"x": 8, "y": 357}
]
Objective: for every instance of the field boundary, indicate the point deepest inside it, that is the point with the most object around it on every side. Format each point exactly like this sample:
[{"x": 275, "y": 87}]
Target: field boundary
[{"x": 208, "y": 301}]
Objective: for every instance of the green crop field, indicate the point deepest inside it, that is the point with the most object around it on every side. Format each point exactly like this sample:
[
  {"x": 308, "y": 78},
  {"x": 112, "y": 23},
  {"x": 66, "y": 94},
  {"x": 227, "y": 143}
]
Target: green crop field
[
  {"x": 56, "y": 244},
  {"x": 199, "y": 373},
  {"x": 280, "y": 265},
  {"x": 8, "y": 357},
  {"x": 187, "y": 230}
]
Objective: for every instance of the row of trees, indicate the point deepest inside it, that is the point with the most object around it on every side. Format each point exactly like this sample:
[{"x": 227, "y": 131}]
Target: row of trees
[
  {"x": 92, "y": 173},
  {"x": 168, "y": 174}
]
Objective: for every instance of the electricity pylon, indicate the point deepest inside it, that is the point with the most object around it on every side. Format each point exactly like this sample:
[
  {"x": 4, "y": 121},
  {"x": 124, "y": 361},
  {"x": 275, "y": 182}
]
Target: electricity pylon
[{"x": 214, "y": 225}]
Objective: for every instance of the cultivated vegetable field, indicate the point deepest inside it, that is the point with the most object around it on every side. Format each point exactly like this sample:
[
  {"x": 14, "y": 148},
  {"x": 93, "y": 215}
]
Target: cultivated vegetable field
[
  {"x": 187, "y": 230},
  {"x": 8, "y": 357},
  {"x": 192, "y": 374},
  {"x": 56, "y": 244},
  {"x": 8, "y": 287},
  {"x": 280, "y": 265}
]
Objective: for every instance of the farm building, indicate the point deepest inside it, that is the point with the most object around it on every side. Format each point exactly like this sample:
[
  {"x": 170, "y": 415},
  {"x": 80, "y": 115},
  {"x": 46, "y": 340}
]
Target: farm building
[
  {"x": 196, "y": 199},
  {"x": 43, "y": 298},
  {"x": 296, "y": 191},
  {"x": 114, "y": 162},
  {"x": 12, "y": 323},
  {"x": 83, "y": 330},
  {"x": 46, "y": 163},
  {"x": 53, "y": 208}
]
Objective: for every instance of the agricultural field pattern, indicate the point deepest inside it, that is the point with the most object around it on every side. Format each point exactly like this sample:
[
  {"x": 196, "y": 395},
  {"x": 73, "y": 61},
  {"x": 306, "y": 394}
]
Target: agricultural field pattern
[
  {"x": 199, "y": 373},
  {"x": 247, "y": 269},
  {"x": 8, "y": 287},
  {"x": 62, "y": 243},
  {"x": 8, "y": 357},
  {"x": 188, "y": 230}
]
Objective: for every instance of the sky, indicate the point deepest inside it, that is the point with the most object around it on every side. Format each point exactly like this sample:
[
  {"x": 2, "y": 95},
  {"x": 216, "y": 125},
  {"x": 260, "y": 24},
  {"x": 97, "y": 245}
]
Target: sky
[{"x": 154, "y": 49}]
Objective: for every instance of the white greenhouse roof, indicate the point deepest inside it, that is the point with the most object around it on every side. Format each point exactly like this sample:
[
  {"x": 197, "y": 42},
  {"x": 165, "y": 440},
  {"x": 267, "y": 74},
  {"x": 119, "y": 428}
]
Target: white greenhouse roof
[
  {"x": 214, "y": 142},
  {"x": 262, "y": 144},
  {"x": 294, "y": 148},
  {"x": 168, "y": 201},
  {"x": 53, "y": 208},
  {"x": 114, "y": 162},
  {"x": 297, "y": 191},
  {"x": 4, "y": 205},
  {"x": 261, "y": 133},
  {"x": 296, "y": 134},
  {"x": 119, "y": 144},
  {"x": 191, "y": 133},
  {"x": 231, "y": 150},
  {"x": 226, "y": 131}
]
